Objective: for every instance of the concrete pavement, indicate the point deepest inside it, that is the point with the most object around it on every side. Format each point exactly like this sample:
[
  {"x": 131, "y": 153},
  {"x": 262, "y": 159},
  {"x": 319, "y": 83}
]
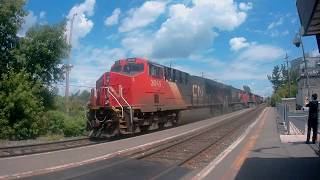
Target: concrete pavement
[{"x": 263, "y": 156}]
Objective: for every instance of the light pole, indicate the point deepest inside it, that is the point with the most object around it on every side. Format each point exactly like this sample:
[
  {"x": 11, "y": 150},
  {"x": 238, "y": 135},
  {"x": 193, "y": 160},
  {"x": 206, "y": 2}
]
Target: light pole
[
  {"x": 288, "y": 71},
  {"x": 68, "y": 66},
  {"x": 297, "y": 41}
]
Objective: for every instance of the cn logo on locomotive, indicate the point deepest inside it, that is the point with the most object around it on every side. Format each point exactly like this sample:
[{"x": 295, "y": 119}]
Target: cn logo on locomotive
[{"x": 197, "y": 90}]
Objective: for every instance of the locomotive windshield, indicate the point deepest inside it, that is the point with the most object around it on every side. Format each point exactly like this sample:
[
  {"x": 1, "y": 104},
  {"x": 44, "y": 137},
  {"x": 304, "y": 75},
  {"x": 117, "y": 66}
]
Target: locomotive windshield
[
  {"x": 132, "y": 68},
  {"x": 129, "y": 68},
  {"x": 116, "y": 68}
]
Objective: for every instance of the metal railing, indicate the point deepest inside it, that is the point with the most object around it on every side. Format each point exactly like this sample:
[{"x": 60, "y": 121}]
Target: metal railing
[
  {"x": 294, "y": 122},
  {"x": 108, "y": 90},
  {"x": 283, "y": 112},
  {"x": 118, "y": 102},
  {"x": 130, "y": 108}
]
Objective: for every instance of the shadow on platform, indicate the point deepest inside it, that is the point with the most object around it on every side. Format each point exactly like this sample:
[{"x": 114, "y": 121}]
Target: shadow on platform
[
  {"x": 259, "y": 150},
  {"x": 280, "y": 168}
]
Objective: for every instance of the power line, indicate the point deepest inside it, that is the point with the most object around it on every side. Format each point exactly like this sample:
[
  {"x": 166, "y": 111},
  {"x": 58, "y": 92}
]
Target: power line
[{"x": 73, "y": 85}]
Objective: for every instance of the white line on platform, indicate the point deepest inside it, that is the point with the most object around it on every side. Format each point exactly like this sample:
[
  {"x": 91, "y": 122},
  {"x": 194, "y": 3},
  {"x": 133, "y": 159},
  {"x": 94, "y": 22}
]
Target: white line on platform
[
  {"x": 205, "y": 171},
  {"x": 107, "y": 156},
  {"x": 298, "y": 116},
  {"x": 294, "y": 130}
]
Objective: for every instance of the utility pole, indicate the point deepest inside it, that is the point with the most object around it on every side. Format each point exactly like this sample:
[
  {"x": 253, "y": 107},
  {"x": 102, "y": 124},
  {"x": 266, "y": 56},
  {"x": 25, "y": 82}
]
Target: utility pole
[
  {"x": 305, "y": 65},
  {"x": 297, "y": 41},
  {"x": 288, "y": 71},
  {"x": 68, "y": 66}
]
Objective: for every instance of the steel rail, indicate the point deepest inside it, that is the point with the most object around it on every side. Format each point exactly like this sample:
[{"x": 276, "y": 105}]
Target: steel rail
[
  {"x": 196, "y": 153},
  {"x": 144, "y": 153},
  {"x": 20, "y": 150}
]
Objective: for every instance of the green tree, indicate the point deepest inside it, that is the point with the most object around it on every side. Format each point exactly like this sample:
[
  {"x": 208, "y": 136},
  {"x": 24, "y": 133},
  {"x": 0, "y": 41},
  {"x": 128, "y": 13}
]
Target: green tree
[
  {"x": 82, "y": 96},
  {"x": 28, "y": 67},
  {"x": 11, "y": 18},
  {"x": 279, "y": 80},
  {"x": 20, "y": 106},
  {"x": 41, "y": 52},
  {"x": 284, "y": 74},
  {"x": 275, "y": 78}
]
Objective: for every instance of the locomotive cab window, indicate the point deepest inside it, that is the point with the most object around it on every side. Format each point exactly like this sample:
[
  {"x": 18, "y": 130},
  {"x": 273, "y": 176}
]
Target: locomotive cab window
[
  {"x": 133, "y": 68},
  {"x": 116, "y": 68},
  {"x": 129, "y": 68},
  {"x": 155, "y": 71}
]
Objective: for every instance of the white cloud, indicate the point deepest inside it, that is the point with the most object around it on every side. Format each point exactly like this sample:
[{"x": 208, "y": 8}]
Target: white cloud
[
  {"x": 190, "y": 29},
  {"x": 143, "y": 16},
  {"x": 114, "y": 18},
  {"x": 138, "y": 43},
  {"x": 261, "y": 53},
  {"x": 245, "y": 6},
  {"x": 275, "y": 24},
  {"x": 29, "y": 21},
  {"x": 42, "y": 14},
  {"x": 276, "y": 33},
  {"x": 81, "y": 24},
  {"x": 314, "y": 53},
  {"x": 238, "y": 43},
  {"x": 207, "y": 60},
  {"x": 90, "y": 63},
  {"x": 100, "y": 57},
  {"x": 252, "y": 63}
]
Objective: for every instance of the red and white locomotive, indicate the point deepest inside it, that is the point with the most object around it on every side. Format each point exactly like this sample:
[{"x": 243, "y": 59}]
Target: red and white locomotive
[{"x": 137, "y": 93}]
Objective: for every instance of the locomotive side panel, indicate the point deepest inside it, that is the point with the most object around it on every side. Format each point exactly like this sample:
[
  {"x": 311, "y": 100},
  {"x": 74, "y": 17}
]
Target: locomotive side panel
[{"x": 139, "y": 93}]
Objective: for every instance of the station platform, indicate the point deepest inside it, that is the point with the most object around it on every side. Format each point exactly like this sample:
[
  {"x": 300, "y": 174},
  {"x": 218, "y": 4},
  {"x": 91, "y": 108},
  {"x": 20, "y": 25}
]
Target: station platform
[{"x": 262, "y": 154}]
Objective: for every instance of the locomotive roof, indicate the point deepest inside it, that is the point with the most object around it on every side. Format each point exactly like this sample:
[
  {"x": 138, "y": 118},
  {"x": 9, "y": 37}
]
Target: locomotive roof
[{"x": 157, "y": 64}]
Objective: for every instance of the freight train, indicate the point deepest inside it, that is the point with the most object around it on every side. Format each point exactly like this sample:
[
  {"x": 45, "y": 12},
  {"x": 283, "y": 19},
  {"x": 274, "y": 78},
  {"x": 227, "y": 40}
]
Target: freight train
[{"x": 139, "y": 94}]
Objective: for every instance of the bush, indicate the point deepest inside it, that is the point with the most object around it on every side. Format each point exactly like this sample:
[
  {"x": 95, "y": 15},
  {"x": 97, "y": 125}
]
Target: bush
[
  {"x": 74, "y": 126},
  {"x": 57, "y": 122},
  {"x": 53, "y": 122},
  {"x": 20, "y": 106}
]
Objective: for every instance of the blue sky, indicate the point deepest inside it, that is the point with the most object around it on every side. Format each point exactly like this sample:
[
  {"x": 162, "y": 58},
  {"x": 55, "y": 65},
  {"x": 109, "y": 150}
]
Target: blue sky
[{"x": 235, "y": 42}]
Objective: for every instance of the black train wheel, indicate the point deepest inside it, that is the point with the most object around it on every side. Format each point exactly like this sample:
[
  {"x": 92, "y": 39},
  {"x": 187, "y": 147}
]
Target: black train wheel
[
  {"x": 175, "y": 121},
  {"x": 144, "y": 128},
  {"x": 161, "y": 125}
]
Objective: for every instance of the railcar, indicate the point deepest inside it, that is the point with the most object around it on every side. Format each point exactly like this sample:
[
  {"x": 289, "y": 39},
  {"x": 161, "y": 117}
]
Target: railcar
[{"x": 140, "y": 94}]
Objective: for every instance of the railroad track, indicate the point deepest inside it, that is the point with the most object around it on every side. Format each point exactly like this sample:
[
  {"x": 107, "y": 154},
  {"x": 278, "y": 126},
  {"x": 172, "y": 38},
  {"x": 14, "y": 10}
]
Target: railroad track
[
  {"x": 20, "y": 150},
  {"x": 11, "y": 151},
  {"x": 184, "y": 151}
]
